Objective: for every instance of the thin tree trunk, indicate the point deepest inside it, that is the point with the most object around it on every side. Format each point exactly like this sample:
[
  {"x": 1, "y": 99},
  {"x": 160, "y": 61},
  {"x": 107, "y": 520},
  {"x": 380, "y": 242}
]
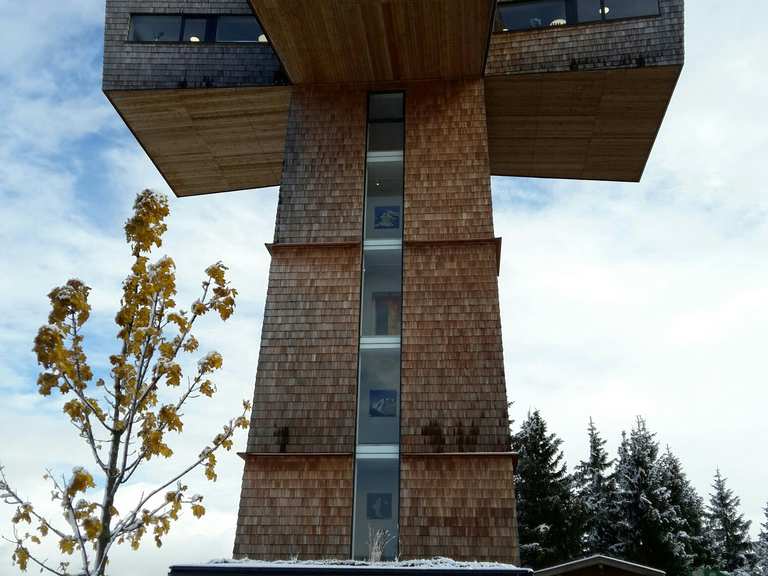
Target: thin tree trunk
[{"x": 109, "y": 497}]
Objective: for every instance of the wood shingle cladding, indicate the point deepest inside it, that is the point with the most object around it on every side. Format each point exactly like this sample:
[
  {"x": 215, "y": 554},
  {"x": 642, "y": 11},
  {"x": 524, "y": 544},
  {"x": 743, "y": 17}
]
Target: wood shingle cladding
[
  {"x": 458, "y": 506},
  {"x": 453, "y": 387},
  {"x": 321, "y": 198},
  {"x": 304, "y": 400},
  {"x": 447, "y": 183},
  {"x": 210, "y": 140},
  {"x": 326, "y": 41},
  {"x": 295, "y": 506}
]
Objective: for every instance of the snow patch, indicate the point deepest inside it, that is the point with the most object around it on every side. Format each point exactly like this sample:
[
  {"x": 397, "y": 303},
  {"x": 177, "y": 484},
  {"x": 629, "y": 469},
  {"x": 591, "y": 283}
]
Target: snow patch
[{"x": 431, "y": 563}]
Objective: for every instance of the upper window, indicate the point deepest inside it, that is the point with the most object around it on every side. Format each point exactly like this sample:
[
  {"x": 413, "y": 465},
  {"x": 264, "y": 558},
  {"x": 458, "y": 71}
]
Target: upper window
[
  {"x": 529, "y": 14},
  {"x": 196, "y": 28},
  {"x": 615, "y": 9},
  {"x": 151, "y": 28},
  {"x": 239, "y": 29}
]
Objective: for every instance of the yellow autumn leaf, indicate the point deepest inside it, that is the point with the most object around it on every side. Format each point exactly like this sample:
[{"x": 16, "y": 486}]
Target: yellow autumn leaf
[
  {"x": 21, "y": 557},
  {"x": 22, "y": 514},
  {"x": 170, "y": 418},
  {"x": 92, "y": 528},
  {"x": 146, "y": 227},
  {"x": 217, "y": 273},
  {"x": 67, "y": 545},
  {"x": 81, "y": 481}
]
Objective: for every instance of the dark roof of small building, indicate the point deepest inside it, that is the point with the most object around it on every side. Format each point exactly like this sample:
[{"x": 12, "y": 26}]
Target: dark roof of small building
[{"x": 600, "y": 560}]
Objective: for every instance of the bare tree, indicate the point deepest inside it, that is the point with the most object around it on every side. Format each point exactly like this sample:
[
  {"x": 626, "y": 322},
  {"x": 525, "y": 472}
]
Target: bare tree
[{"x": 121, "y": 417}]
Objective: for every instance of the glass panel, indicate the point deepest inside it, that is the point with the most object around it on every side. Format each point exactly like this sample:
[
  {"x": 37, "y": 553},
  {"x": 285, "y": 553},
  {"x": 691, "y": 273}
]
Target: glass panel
[
  {"x": 527, "y": 15},
  {"x": 379, "y": 397},
  {"x": 384, "y": 199},
  {"x": 386, "y": 137},
  {"x": 382, "y": 278},
  {"x": 587, "y": 11},
  {"x": 194, "y": 29},
  {"x": 385, "y": 107},
  {"x": 152, "y": 28},
  {"x": 239, "y": 29},
  {"x": 377, "y": 484},
  {"x": 615, "y": 9}
]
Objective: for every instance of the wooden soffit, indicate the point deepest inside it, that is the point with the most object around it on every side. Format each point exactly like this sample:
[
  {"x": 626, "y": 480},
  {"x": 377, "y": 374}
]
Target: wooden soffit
[
  {"x": 329, "y": 41},
  {"x": 597, "y": 125},
  {"x": 210, "y": 140}
]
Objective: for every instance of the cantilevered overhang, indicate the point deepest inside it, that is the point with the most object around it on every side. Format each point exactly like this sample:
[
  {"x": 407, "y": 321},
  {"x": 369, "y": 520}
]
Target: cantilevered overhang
[
  {"x": 211, "y": 139},
  {"x": 321, "y": 41},
  {"x": 584, "y": 100},
  {"x": 595, "y": 125}
]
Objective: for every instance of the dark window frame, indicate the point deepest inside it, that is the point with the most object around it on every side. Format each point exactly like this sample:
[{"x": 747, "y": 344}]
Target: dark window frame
[
  {"x": 499, "y": 26},
  {"x": 211, "y": 27}
]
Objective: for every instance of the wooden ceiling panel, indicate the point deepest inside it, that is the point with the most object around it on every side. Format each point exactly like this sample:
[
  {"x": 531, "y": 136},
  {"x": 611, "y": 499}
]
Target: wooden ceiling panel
[
  {"x": 585, "y": 125},
  {"x": 328, "y": 41},
  {"x": 210, "y": 140}
]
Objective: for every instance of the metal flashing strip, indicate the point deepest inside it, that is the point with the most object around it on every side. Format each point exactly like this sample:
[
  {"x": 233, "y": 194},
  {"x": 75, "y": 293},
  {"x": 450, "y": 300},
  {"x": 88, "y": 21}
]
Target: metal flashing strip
[
  {"x": 253, "y": 455},
  {"x": 371, "y": 245},
  {"x": 379, "y": 342}
]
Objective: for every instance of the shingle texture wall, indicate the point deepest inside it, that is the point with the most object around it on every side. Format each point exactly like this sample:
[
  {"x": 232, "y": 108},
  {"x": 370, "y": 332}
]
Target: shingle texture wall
[
  {"x": 447, "y": 182},
  {"x": 453, "y": 389},
  {"x": 295, "y": 505},
  {"x": 652, "y": 41},
  {"x": 462, "y": 507},
  {"x": 129, "y": 66},
  {"x": 304, "y": 399},
  {"x": 321, "y": 196}
]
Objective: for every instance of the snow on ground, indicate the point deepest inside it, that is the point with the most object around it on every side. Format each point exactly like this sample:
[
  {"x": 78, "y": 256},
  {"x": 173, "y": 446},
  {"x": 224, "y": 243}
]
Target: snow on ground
[{"x": 432, "y": 563}]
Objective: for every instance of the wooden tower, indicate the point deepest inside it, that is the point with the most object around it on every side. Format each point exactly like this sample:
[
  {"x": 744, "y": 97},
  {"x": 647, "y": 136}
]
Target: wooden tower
[{"x": 380, "y": 405}]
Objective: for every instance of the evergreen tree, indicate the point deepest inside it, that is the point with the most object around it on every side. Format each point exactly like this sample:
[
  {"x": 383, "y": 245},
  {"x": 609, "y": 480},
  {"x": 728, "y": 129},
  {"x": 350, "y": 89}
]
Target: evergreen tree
[
  {"x": 648, "y": 527},
  {"x": 595, "y": 492},
  {"x": 689, "y": 507},
  {"x": 727, "y": 530},
  {"x": 761, "y": 549},
  {"x": 546, "y": 509}
]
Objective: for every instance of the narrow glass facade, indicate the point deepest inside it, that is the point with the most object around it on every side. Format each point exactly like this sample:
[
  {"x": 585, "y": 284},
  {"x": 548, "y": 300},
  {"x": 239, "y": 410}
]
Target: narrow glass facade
[{"x": 377, "y": 462}]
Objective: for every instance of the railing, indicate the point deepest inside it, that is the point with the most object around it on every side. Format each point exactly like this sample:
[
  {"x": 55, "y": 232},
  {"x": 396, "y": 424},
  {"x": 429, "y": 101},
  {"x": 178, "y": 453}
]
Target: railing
[{"x": 530, "y": 14}]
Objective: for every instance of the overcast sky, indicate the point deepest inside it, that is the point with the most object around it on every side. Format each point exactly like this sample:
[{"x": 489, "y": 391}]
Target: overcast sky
[{"x": 617, "y": 300}]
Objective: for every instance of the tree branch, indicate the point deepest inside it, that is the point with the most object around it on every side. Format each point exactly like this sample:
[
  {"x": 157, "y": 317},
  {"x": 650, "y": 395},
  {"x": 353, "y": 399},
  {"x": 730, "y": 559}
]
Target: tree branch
[
  {"x": 10, "y": 496},
  {"x": 129, "y": 470},
  {"x": 32, "y": 557},
  {"x": 79, "y": 392},
  {"x": 130, "y": 519},
  {"x": 72, "y": 517},
  {"x": 138, "y": 400}
]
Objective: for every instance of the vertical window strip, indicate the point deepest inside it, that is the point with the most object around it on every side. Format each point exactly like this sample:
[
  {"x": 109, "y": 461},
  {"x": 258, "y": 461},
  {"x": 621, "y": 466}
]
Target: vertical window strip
[{"x": 377, "y": 462}]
